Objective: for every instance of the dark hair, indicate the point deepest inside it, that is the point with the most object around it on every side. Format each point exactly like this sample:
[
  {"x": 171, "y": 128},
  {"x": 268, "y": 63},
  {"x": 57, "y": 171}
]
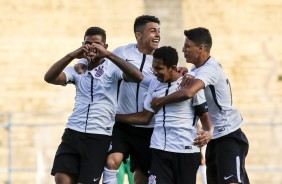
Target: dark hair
[
  {"x": 167, "y": 54},
  {"x": 143, "y": 20},
  {"x": 96, "y": 31},
  {"x": 199, "y": 36}
]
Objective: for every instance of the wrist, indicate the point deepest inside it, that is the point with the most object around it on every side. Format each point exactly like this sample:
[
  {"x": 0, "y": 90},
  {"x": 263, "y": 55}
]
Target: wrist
[
  {"x": 110, "y": 55},
  {"x": 210, "y": 132}
]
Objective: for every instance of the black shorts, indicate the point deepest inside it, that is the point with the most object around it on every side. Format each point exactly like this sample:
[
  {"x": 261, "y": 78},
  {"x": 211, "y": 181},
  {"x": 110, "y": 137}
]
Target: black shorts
[
  {"x": 174, "y": 168},
  {"x": 225, "y": 159},
  {"x": 82, "y": 156},
  {"x": 133, "y": 141}
]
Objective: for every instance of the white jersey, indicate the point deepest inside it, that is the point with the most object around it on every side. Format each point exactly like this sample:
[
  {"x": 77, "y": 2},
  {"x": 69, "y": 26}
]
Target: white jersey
[
  {"x": 176, "y": 123},
  {"x": 224, "y": 116},
  {"x": 95, "y": 100},
  {"x": 131, "y": 95}
]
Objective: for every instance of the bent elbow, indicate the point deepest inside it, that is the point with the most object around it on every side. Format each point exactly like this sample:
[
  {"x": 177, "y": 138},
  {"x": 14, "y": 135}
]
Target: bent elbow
[
  {"x": 136, "y": 77},
  {"x": 146, "y": 118},
  {"x": 140, "y": 78},
  {"x": 47, "y": 79},
  {"x": 145, "y": 121}
]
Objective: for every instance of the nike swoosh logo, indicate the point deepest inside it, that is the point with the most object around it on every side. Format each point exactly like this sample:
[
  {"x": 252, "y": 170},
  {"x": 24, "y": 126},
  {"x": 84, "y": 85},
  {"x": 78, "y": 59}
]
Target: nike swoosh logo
[
  {"x": 226, "y": 178},
  {"x": 95, "y": 179},
  {"x": 128, "y": 60}
]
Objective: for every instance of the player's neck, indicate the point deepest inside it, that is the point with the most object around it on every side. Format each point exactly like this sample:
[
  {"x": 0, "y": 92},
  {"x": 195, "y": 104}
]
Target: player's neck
[
  {"x": 145, "y": 50},
  {"x": 95, "y": 63},
  {"x": 174, "y": 76},
  {"x": 202, "y": 60}
]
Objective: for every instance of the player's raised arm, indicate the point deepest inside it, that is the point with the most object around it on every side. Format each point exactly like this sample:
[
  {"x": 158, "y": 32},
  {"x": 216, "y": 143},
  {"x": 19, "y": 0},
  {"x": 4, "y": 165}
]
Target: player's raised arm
[
  {"x": 54, "y": 75},
  {"x": 130, "y": 72},
  {"x": 178, "y": 96}
]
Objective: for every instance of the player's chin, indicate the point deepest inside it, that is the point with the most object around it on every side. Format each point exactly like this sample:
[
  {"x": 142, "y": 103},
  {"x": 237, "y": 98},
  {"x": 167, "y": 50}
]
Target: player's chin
[
  {"x": 95, "y": 60},
  {"x": 154, "y": 46},
  {"x": 187, "y": 60}
]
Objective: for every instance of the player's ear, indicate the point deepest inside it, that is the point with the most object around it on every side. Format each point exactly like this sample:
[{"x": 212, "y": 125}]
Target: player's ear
[
  {"x": 174, "y": 68},
  {"x": 202, "y": 47},
  {"x": 138, "y": 35}
]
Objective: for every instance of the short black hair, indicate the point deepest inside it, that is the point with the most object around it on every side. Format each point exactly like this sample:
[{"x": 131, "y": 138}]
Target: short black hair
[
  {"x": 143, "y": 20},
  {"x": 168, "y": 54},
  {"x": 96, "y": 31},
  {"x": 199, "y": 36}
]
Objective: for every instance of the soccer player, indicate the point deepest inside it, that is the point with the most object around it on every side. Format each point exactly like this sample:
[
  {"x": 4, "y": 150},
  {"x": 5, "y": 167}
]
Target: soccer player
[
  {"x": 226, "y": 152},
  {"x": 175, "y": 144},
  {"x": 127, "y": 139},
  {"x": 81, "y": 156}
]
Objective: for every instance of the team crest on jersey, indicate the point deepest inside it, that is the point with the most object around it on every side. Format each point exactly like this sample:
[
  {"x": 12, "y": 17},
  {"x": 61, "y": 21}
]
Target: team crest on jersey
[
  {"x": 152, "y": 179},
  {"x": 99, "y": 71}
]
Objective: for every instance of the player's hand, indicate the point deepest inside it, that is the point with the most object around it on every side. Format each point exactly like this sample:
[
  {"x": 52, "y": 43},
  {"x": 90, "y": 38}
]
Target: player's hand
[
  {"x": 100, "y": 50},
  {"x": 203, "y": 138},
  {"x": 186, "y": 80},
  {"x": 156, "y": 104},
  {"x": 182, "y": 70},
  {"x": 80, "y": 52},
  {"x": 90, "y": 52}
]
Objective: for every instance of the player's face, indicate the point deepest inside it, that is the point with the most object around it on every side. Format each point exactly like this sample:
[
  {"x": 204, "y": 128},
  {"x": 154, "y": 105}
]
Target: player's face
[
  {"x": 150, "y": 36},
  {"x": 94, "y": 39},
  {"x": 191, "y": 51},
  {"x": 161, "y": 71}
]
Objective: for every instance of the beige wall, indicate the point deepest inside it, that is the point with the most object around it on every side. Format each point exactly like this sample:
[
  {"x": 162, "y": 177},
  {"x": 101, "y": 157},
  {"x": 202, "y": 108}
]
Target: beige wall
[
  {"x": 246, "y": 39},
  {"x": 34, "y": 34}
]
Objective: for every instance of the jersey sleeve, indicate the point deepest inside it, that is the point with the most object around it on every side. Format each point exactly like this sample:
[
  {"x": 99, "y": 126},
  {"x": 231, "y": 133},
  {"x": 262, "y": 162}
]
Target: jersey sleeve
[
  {"x": 149, "y": 96},
  {"x": 117, "y": 51},
  {"x": 83, "y": 61},
  {"x": 70, "y": 74},
  {"x": 199, "y": 98},
  {"x": 114, "y": 70},
  {"x": 208, "y": 74}
]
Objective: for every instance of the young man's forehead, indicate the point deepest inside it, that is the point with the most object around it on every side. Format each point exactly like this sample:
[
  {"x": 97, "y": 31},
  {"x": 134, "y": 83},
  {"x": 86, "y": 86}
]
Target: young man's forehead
[
  {"x": 151, "y": 25},
  {"x": 157, "y": 61},
  {"x": 189, "y": 42},
  {"x": 93, "y": 37}
]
